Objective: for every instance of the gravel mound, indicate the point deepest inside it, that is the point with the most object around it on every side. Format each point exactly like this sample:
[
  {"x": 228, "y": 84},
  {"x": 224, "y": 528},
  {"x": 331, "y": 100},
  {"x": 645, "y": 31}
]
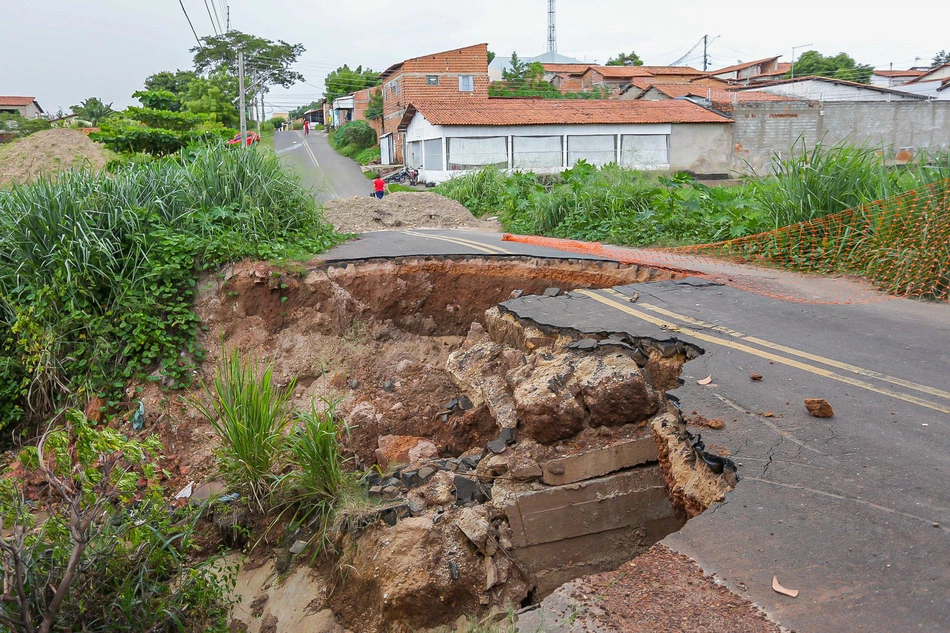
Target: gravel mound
[
  {"x": 47, "y": 153},
  {"x": 405, "y": 210}
]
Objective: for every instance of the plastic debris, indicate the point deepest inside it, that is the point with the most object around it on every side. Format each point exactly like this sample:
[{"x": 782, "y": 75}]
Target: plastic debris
[
  {"x": 777, "y": 588},
  {"x": 705, "y": 381},
  {"x": 186, "y": 492},
  {"x": 138, "y": 419}
]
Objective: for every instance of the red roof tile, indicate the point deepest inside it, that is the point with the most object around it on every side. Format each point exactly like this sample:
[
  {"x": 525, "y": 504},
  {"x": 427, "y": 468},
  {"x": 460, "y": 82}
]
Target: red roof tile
[
  {"x": 559, "y": 111},
  {"x": 567, "y": 69},
  {"x": 671, "y": 70},
  {"x": 741, "y": 66},
  {"x": 716, "y": 96},
  {"x": 621, "y": 72},
  {"x": 900, "y": 73},
  {"x": 16, "y": 101}
]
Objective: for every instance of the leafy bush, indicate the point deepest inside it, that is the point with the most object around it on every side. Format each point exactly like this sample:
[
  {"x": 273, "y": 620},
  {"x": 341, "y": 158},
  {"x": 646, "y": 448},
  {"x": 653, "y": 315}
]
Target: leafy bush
[
  {"x": 249, "y": 412},
  {"x": 359, "y": 134},
  {"x": 18, "y": 126},
  {"x": 98, "y": 271},
  {"x": 368, "y": 156},
  {"x": 110, "y": 556},
  {"x": 132, "y": 136}
]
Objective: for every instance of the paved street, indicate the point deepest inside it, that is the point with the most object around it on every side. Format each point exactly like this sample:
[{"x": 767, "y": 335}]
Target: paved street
[
  {"x": 319, "y": 166},
  {"x": 853, "y": 510}
]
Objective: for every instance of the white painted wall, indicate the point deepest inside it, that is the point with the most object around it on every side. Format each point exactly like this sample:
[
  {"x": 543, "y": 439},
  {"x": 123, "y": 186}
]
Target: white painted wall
[
  {"x": 420, "y": 129},
  {"x": 815, "y": 90},
  {"x": 930, "y": 89}
]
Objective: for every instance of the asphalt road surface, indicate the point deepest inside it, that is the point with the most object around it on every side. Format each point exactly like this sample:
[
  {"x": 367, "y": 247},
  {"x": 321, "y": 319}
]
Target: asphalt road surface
[
  {"x": 319, "y": 166},
  {"x": 852, "y": 510}
]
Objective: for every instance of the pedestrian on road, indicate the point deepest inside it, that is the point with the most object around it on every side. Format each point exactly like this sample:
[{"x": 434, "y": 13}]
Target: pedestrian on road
[
  {"x": 379, "y": 187},
  {"x": 306, "y": 127}
]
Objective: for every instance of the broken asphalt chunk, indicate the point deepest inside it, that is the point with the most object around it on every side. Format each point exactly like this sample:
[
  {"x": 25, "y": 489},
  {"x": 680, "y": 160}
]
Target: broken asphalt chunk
[
  {"x": 552, "y": 292},
  {"x": 584, "y": 345}
]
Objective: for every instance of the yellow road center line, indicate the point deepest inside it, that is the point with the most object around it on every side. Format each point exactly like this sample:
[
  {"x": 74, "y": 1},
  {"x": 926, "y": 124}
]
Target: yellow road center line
[
  {"x": 795, "y": 352},
  {"x": 485, "y": 248},
  {"x": 818, "y": 371}
]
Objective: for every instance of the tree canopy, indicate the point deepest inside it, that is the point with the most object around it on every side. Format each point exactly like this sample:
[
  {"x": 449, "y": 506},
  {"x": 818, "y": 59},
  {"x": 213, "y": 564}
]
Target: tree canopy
[
  {"x": 93, "y": 110},
  {"x": 344, "y": 81},
  {"x": 840, "y": 66},
  {"x": 941, "y": 58},
  {"x": 625, "y": 59},
  {"x": 298, "y": 112},
  {"x": 173, "y": 82},
  {"x": 267, "y": 61}
]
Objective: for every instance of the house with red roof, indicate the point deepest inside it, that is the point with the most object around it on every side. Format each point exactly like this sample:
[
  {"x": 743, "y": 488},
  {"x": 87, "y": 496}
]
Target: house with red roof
[
  {"x": 445, "y": 138},
  {"x": 26, "y": 107}
]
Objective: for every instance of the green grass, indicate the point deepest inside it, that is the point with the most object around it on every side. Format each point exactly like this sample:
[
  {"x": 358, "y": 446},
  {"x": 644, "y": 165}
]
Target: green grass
[
  {"x": 627, "y": 207},
  {"x": 98, "y": 271},
  {"x": 250, "y": 414}
]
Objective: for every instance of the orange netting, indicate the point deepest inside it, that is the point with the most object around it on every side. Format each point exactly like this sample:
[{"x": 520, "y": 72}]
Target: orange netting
[{"x": 900, "y": 245}]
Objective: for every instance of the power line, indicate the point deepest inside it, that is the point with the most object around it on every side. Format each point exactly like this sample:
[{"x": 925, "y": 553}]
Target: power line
[
  {"x": 213, "y": 27},
  {"x": 197, "y": 39},
  {"x": 217, "y": 16}
]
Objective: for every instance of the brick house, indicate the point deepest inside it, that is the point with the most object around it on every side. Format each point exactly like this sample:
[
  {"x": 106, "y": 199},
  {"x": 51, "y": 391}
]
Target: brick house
[{"x": 460, "y": 75}]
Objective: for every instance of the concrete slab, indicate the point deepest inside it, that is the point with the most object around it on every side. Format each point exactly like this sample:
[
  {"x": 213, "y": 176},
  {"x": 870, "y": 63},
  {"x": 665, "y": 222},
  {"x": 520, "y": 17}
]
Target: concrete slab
[{"x": 600, "y": 461}]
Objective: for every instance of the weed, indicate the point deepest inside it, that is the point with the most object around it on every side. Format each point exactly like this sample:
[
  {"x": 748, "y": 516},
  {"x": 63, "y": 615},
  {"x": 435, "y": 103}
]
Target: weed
[{"x": 250, "y": 414}]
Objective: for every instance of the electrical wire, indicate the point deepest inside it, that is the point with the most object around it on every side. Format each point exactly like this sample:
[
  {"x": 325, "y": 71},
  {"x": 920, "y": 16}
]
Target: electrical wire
[
  {"x": 217, "y": 16},
  {"x": 187, "y": 17},
  {"x": 213, "y": 27}
]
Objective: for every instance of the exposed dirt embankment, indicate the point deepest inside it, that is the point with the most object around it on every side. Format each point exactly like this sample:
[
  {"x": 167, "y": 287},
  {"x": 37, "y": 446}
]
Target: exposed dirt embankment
[{"x": 401, "y": 210}]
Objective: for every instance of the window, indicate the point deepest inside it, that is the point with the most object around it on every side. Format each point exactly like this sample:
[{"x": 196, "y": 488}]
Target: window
[
  {"x": 644, "y": 150},
  {"x": 433, "y": 154},
  {"x": 414, "y": 157},
  {"x": 394, "y": 87},
  {"x": 536, "y": 152},
  {"x": 432, "y": 80},
  {"x": 472, "y": 153},
  {"x": 466, "y": 83},
  {"x": 596, "y": 149}
]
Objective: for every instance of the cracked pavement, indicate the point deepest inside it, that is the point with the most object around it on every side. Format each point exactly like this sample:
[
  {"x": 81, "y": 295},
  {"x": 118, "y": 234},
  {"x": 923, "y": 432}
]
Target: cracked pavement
[{"x": 853, "y": 510}]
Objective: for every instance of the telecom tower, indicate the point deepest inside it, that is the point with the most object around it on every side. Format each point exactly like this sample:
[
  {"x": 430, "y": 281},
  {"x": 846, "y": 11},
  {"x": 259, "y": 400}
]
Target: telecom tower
[{"x": 552, "y": 30}]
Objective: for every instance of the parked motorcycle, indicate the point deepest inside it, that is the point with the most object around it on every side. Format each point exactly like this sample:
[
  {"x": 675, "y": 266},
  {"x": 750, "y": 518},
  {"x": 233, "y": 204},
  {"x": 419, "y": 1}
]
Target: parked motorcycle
[{"x": 405, "y": 174}]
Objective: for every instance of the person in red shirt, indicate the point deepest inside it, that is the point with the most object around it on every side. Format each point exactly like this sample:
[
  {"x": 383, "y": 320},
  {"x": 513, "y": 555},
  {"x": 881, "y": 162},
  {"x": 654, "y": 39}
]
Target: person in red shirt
[
  {"x": 306, "y": 127},
  {"x": 379, "y": 186}
]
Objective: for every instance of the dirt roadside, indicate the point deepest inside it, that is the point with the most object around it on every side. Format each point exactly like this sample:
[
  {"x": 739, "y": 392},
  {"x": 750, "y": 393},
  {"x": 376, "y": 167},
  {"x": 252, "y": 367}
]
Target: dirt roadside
[{"x": 402, "y": 210}]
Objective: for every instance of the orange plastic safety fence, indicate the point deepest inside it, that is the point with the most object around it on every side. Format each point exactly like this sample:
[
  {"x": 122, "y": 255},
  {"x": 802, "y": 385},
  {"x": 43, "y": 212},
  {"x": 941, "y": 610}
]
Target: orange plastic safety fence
[{"x": 900, "y": 245}]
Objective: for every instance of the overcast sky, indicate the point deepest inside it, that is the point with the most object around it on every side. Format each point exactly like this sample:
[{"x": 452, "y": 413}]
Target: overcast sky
[{"x": 62, "y": 51}]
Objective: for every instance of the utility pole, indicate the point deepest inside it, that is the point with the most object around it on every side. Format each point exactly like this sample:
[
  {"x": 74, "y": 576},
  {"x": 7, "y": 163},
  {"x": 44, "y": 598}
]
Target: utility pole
[
  {"x": 705, "y": 53},
  {"x": 241, "y": 104}
]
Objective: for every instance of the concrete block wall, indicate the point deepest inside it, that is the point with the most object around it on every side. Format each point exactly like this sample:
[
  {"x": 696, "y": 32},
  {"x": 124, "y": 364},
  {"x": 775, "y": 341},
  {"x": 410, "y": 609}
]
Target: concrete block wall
[{"x": 764, "y": 130}]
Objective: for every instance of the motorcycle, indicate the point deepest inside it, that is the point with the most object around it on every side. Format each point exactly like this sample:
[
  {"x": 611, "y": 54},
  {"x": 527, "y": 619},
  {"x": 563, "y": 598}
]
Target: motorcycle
[{"x": 407, "y": 173}]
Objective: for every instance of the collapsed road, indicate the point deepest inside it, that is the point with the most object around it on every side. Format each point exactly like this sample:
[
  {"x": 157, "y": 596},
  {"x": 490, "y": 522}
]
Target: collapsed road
[{"x": 531, "y": 428}]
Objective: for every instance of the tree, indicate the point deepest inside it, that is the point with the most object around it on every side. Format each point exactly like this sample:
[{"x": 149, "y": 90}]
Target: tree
[
  {"x": 215, "y": 96},
  {"x": 267, "y": 62},
  {"x": 625, "y": 59},
  {"x": 93, "y": 110},
  {"x": 522, "y": 79},
  {"x": 491, "y": 57},
  {"x": 173, "y": 82},
  {"x": 344, "y": 81},
  {"x": 840, "y": 66},
  {"x": 298, "y": 112},
  {"x": 374, "y": 110},
  {"x": 158, "y": 99},
  {"x": 941, "y": 58},
  {"x": 516, "y": 70}
]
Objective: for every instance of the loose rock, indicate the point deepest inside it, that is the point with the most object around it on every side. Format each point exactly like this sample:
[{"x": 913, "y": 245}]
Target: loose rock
[{"x": 818, "y": 408}]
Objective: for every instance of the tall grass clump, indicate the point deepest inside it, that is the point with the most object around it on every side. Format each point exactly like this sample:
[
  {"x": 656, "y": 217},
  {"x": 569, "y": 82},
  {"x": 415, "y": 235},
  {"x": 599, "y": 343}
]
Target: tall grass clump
[
  {"x": 488, "y": 191},
  {"x": 250, "y": 414},
  {"x": 98, "y": 271}
]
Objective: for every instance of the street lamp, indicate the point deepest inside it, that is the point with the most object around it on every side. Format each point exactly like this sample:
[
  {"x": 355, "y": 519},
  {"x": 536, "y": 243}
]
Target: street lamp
[{"x": 793, "y": 57}]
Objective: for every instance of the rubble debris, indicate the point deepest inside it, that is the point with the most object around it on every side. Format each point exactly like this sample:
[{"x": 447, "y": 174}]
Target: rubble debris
[
  {"x": 755, "y": 377},
  {"x": 705, "y": 381},
  {"x": 819, "y": 408},
  {"x": 403, "y": 449}
]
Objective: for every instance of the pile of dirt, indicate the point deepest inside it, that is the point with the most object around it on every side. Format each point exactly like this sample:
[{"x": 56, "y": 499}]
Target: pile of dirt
[
  {"x": 401, "y": 210},
  {"x": 47, "y": 153}
]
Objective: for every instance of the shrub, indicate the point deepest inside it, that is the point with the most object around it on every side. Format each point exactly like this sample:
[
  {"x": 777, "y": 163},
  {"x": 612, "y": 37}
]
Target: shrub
[
  {"x": 98, "y": 271},
  {"x": 250, "y": 414},
  {"x": 110, "y": 556},
  {"x": 369, "y": 156},
  {"x": 356, "y": 133}
]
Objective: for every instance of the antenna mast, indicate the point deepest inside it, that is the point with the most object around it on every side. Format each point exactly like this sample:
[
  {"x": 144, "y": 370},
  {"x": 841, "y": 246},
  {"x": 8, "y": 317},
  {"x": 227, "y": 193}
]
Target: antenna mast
[{"x": 552, "y": 29}]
